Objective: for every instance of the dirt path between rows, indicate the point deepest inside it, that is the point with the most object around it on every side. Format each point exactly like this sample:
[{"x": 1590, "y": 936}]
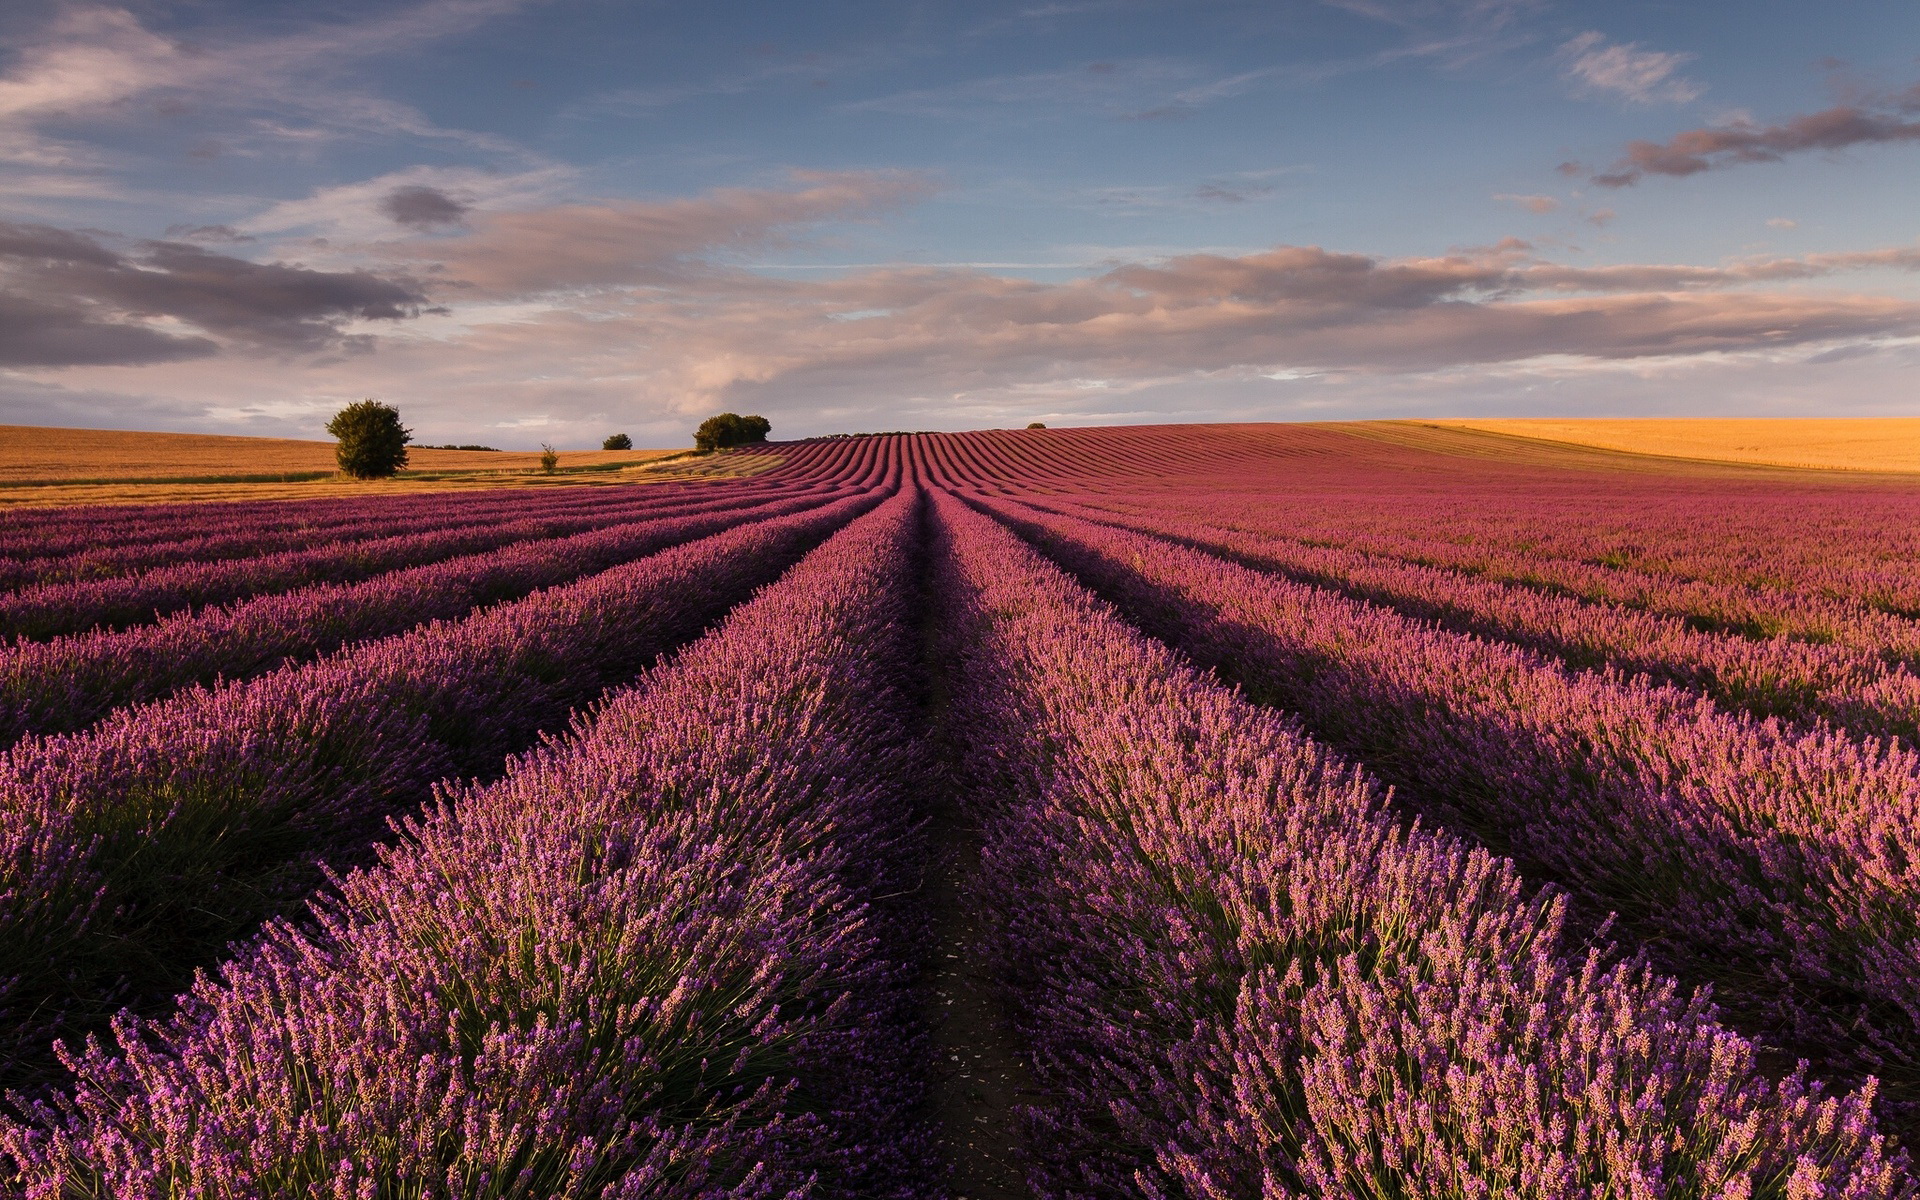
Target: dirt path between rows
[{"x": 979, "y": 1078}]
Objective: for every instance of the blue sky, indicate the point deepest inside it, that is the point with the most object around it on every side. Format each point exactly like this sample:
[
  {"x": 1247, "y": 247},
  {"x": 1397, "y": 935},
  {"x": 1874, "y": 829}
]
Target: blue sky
[{"x": 527, "y": 222}]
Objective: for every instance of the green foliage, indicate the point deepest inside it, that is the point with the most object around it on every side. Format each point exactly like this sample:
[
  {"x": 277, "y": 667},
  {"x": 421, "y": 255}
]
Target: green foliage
[
  {"x": 618, "y": 441},
  {"x": 730, "y": 429},
  {"x": 373, "y": 443},
  {"x": 1036, "y": 424},
  {"x": 549, "y": 458}
]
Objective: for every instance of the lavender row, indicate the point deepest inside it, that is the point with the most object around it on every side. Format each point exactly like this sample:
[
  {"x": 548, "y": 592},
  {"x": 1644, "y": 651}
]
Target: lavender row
[
  {"x": 91, "y": 553},
  {"x": 1843, "y": 541},
  {"x": 131, "y": 852},
  {"x": 656, "y": 959},
  {"x": 1833, "y": 536},
  {"x": 1240, "y": 976},
  {"x": 1795, "y": 680},
  {"x": 59, "y": 532},
  {"x": 1782, "y": 866},
  {"x": 51, "y": 610},
  {"x": 1797, "y": 610},
  {"x": 68, "y": 683},
  {"x": 1811, "y": 605}
]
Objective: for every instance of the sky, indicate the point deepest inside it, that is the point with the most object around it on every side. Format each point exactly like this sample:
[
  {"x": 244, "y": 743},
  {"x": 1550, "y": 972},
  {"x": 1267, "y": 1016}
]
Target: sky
[{"x": 544, "y": 221}]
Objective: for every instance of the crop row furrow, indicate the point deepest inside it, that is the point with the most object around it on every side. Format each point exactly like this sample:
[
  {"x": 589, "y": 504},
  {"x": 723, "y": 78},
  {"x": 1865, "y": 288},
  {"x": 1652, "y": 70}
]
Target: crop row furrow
[
  {"x": 1240, "y": 975},
  {"x": 132, "y": 851}
]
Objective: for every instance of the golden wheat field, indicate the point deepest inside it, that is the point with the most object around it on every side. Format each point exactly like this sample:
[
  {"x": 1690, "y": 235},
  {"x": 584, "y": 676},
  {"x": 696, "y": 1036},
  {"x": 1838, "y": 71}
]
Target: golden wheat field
[
  {"x": 1827, "y": 443},
  {"x": 43, "y": 466}
]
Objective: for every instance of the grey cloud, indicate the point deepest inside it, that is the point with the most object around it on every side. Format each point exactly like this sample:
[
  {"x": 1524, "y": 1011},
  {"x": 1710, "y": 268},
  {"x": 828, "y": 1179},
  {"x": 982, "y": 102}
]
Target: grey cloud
[
  {"x": 35, "y": 334},
  {"x": 72, "y": 300},
  {"x": 422, "y": 207}
]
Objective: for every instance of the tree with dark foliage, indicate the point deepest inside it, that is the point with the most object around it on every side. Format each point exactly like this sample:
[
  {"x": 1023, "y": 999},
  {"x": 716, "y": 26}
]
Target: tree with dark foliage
[
  {"x": 730, "y": 429},
  {"x": 618, "y": 441},
  {"x": 373, "y": 443}
]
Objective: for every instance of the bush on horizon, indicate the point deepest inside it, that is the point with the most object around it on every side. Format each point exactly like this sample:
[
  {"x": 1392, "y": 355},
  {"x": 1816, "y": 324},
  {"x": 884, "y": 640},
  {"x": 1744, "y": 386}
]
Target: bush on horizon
[{"x": 617, "y": 441}]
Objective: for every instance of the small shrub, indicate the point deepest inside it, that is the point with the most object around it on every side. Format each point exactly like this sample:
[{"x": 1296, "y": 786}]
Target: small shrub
[
  {"x": 618, "y": 441},
  {"x": 1036, "y": 424},
  {"x": 549, "y": 458},
  {"x": 730, "y": 429},
  {"x": 373, "y": 443}
]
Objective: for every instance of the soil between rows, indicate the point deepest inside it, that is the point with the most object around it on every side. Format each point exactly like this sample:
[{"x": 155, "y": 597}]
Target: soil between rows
[{"x": 978, "y": 1079}]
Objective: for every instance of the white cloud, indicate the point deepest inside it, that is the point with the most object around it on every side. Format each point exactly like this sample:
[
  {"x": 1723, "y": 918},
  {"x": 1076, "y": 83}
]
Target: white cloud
[{"x": 1627, "y": 71}]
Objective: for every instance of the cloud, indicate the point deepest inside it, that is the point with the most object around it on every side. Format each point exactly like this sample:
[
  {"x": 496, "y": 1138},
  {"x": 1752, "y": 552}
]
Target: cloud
[
  {"x": 98, "y": 64},
  {"x": 1533, "y": 204},
  {"x": 593, "y": 311},
  {"x": 70, "y": 300},
  {"x": 34, "y": 333},
  {"x": 1718, "y": 147},
  {"x": 876, "y": 336},
  {"x": 420, "y": 207},
  {"x": 225, "y": 234},
  {"x": 1626, "y": 71},
  {"x": 613, "y": 243},
  {"x": 356, "y": 214},
  {"x": 1782, "y": 223}
]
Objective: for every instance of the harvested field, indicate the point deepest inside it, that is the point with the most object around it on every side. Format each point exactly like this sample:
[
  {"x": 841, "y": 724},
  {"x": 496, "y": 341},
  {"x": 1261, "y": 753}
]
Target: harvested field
[{"x": 1827, "y": 443}]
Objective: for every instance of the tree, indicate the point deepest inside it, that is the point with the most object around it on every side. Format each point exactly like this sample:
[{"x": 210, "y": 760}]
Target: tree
[
  {"x": 549, "y": 458},
  {"x": 373, "y": 443},
  {"x": 618, "y": 441},
  {"x": 730, "y": 429},
  {"x": 1036, "y": 425}
]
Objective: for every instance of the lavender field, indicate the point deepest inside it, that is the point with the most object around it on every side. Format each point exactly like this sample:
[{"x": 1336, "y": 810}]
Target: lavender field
[{"x": 1199, "y": 812}]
